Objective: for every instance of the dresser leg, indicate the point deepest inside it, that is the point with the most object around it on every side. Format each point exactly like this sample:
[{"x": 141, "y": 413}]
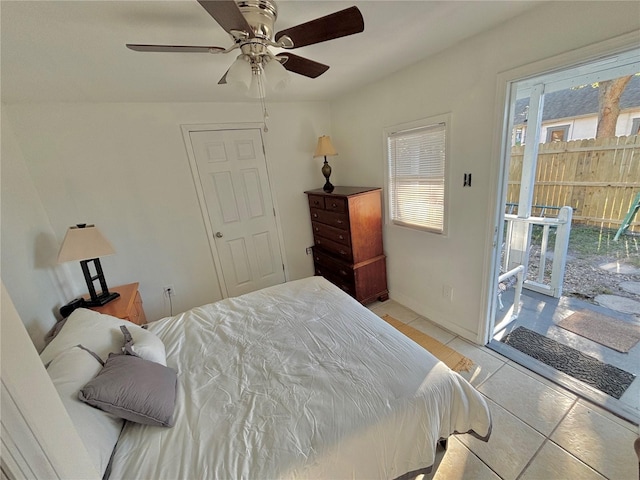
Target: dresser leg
[{"x": 384, "y": 297}]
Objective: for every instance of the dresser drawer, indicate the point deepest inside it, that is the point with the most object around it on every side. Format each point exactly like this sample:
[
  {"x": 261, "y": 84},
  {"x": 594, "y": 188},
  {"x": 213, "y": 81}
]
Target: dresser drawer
[
  {"x": 332, "y": 265},
  {"x": 338, "y": 220},
  {"x": 344, "y": 284},
  {"x": 316, "y": 201},
  {"x": 335, "y": 204},
  {"x": 343, "y": 252},
  {"x": 331, "y": 233}
]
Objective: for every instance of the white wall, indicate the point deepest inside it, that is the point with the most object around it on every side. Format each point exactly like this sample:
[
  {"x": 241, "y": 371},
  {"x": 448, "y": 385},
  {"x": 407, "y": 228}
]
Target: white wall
[
  {"x": 463, "y": 81},
  {"x": 28, "y": 245},
  {"x": 34, "y": 420},
  {"x": 125, "y": 168}
]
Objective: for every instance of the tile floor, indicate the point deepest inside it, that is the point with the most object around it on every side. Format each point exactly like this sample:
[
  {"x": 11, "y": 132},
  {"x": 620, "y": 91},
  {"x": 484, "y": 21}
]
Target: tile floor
[{"x": 540, "y": 430}]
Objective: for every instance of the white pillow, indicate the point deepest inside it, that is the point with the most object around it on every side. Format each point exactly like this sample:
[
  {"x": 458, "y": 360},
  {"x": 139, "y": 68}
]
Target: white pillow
[
  {"x": 101, "y": 334},
  {"x": 99, "y": 431}
]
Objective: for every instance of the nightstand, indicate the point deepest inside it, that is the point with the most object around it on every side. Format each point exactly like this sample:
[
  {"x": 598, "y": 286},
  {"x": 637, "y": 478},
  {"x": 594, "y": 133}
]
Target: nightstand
[{"x": 128, "y": 306}]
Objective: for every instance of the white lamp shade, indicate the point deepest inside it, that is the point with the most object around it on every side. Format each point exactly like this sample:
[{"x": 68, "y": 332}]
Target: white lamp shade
[
  {"x": 277, "y": 76},
  {"x": 240, "y": 74},
  {"x": 325, "y": 147},
  {"x": 84, "y": 243}
]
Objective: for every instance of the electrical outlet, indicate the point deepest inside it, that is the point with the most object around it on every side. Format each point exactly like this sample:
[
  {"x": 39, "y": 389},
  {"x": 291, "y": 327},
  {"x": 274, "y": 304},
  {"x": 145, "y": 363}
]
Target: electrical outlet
[
  {"x": 168, "y": 291},
  {"x": 447, "y": 292},
  {"x": 309, "y": 251}
]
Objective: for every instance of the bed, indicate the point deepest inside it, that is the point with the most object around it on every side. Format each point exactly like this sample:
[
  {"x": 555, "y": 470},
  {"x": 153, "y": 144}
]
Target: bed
[{"x": 293, "y": 381}]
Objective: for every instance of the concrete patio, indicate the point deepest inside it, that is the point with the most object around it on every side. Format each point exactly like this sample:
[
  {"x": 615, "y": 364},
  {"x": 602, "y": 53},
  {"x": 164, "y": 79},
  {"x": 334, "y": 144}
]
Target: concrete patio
[{"x": 541, "y": 314}]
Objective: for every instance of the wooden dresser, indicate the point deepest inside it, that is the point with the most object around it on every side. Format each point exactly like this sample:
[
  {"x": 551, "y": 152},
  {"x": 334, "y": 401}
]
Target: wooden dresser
[
  {"x": 347, "y": 235},
  {"x": 128, "y": 306}
]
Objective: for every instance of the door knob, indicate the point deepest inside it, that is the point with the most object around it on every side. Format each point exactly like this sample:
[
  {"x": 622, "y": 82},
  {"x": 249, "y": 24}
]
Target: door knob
[{"x": 219, "y": 234}]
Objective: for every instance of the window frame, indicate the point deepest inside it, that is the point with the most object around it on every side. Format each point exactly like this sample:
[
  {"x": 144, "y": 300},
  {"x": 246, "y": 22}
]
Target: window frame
[
  {"x": 564, "y": 128},
  {"x": 444, "y": 119}
]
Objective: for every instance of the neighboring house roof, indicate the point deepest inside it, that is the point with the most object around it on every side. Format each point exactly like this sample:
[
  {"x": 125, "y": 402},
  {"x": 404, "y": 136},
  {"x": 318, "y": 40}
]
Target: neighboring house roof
[{"x": 577, "y": 102}]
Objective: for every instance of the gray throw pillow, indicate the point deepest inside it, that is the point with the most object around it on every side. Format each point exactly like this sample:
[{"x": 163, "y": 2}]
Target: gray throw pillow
[{"x": 133, "y": 388}]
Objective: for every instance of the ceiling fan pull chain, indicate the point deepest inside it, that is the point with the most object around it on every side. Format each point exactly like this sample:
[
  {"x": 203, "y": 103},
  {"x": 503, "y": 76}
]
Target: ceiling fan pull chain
[
  {"x": 265, "y": 115},
  {"x": 263, "y": 103}
]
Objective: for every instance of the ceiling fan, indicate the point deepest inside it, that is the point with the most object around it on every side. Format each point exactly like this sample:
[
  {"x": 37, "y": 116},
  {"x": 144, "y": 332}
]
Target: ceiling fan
[{"x": 251, "y": 26}]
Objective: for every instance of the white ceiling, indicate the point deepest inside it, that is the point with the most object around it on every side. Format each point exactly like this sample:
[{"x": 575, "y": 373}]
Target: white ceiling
[{"x": 74, "y": 51}]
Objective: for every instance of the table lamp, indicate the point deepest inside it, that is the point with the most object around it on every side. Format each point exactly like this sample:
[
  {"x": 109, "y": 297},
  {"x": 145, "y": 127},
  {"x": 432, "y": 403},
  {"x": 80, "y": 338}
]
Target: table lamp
[
  {"x": 86, "y": 243},
  {"x": 323, "y": 149}
]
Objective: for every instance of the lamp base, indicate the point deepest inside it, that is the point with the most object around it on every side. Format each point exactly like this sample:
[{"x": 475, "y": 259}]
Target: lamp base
[
  {"x": 328, "y": 187},
  {"x": 101, "y": 300},
  {"x": 326, "y": 171}
]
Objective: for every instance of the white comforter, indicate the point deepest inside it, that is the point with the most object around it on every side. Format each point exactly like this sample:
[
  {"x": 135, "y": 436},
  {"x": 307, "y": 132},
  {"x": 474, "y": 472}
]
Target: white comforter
[{"x": 297, "y": 381}]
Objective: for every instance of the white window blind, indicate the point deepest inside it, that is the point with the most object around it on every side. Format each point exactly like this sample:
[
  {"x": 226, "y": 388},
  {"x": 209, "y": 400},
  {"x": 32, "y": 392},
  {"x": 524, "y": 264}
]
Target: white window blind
[{"x": 417, "y": 177}]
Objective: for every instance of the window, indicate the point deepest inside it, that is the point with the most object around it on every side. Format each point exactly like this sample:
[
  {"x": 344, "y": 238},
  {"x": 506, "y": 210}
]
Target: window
[
  {"x": 416, "y": 156},
  {"x": 635, "y": 126},
  {"x": 559, "y": 133}
]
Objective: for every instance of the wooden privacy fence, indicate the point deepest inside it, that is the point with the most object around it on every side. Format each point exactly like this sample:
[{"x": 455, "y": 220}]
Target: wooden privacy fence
[{"x": 598, "y": 178}]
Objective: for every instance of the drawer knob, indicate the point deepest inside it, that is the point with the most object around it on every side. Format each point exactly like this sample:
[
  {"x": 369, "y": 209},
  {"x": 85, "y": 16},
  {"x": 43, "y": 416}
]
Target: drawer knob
[
  {"x": 342, "y": 252},
  {"x": 339, "y": 222},
  {"x": 315, "y": 215},
  {"x": 317, "y": 229},
  {"x": 341, "y": 237},
  {"x": 334, "y": 205},
  {"x": 342, "y": 272}
]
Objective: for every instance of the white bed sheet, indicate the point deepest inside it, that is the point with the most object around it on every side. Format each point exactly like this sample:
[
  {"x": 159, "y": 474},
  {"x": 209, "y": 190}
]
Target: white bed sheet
[{"x": 298, "y": 381}]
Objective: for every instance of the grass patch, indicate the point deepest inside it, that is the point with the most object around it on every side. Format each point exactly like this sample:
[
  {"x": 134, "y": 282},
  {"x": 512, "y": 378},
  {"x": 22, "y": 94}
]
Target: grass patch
[
  {"x": 586, "y": 240},
  {"x": 589, "y": 241}
]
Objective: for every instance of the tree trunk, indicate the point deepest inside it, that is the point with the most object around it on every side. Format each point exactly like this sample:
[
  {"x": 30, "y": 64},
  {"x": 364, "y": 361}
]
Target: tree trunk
[{"x": 609, "y": 93}]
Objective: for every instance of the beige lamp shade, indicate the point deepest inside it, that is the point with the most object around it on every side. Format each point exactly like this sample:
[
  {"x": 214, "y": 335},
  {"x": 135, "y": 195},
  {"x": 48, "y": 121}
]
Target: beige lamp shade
[
  {"x": 84, "y": 242},
  {"x": 324, "y": 148}
]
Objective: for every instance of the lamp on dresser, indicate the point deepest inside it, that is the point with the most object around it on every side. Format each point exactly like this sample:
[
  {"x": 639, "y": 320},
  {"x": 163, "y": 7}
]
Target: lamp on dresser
[
  {"x": 86, "y": 243},
  {"x": 324, "y": 149}
]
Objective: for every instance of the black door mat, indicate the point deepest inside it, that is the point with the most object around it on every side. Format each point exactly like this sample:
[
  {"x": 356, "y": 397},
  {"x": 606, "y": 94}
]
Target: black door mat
[{"x": 606, "y": 378}]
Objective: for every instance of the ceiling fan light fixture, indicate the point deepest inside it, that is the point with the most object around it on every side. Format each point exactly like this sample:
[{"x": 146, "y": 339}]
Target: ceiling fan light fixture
[
  {"x": 256, "y": 89},
  {"x": 240, "y": 73},
  {"x": 276, "y": 75}
]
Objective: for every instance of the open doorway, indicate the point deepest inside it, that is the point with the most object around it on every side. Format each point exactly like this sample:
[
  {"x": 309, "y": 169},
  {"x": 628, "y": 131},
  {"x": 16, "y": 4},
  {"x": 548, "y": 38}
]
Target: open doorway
[{"x": 567, "y": 300}]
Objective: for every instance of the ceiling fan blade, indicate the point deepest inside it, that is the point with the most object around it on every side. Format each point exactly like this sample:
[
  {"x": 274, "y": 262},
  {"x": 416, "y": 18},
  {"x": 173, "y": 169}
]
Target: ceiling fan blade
[
  {"x": 336, "y": 25},
  {"x": 303, "y": 66},
  {"x": 223, "y": 80},
  {"x": 227, "y": 14},
  {"x": 174, "y": 48}
]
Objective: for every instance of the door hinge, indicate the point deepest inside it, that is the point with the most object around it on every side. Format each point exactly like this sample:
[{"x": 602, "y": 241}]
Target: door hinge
[
  {"x": 283, "y": 267},
  {"x": 274, "y": 211}
]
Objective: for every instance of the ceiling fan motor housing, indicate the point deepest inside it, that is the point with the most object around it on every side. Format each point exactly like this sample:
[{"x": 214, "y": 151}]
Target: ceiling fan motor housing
[{"x": 261, "y": 16}]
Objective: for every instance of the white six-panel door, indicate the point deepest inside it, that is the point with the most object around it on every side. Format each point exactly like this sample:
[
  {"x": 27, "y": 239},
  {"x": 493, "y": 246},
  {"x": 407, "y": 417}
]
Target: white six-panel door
[{"x": 232, "y": 172}]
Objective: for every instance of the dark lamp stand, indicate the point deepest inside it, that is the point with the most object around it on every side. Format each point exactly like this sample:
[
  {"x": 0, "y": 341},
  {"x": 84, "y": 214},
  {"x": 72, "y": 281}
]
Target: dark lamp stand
[
  {"x": 105, "y": 296},
  {"x": 326, "y": 171}
]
